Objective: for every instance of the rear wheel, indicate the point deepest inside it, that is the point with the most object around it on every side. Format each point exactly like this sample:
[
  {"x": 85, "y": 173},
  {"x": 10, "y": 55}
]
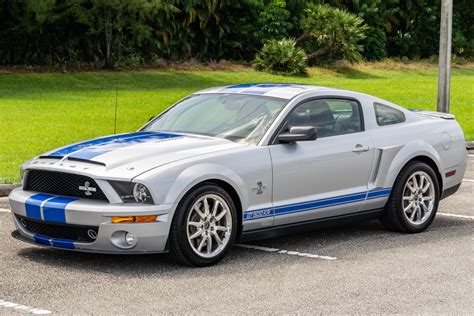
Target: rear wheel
[
  {"x": 204, "y": 226},
  {"x": 414, "y": 200}
]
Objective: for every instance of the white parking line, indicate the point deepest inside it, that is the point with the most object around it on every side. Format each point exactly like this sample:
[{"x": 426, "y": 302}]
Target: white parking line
[
  {"x": 456, "y": 215},
  {"x": 467, "y": 180},
  {"x": 287, "y": 252},
  {"x": 23, "y": 308},
  {"x": 4, "y": 210}
]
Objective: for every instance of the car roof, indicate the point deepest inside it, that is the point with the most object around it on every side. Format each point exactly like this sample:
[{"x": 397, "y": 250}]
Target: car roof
[{"x": 276, "y": 90}]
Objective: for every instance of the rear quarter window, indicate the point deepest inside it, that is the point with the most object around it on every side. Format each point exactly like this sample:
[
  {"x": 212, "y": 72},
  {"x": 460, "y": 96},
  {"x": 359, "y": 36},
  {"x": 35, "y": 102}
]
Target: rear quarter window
[{"x": 387, "y": 115}]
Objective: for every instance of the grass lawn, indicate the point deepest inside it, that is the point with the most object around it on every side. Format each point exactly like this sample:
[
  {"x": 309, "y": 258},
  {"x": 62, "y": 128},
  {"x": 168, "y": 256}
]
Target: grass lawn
[{"x": 40, "y": 111}]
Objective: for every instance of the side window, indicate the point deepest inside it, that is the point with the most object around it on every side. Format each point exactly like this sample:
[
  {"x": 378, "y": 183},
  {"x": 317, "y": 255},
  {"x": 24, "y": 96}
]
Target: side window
[
  {"x": 386, "y": 115},
  {"x": 330, "y": 117}
]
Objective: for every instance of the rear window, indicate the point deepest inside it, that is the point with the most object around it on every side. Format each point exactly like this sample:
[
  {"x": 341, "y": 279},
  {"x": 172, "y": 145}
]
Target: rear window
[{"x": 387, "y": 115}]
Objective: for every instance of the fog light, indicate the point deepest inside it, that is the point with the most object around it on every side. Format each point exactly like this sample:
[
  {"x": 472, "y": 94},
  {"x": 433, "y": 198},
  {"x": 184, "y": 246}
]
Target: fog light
[
  {"x": 123, "y": 239},
  {"x": 130, "y": 239}
]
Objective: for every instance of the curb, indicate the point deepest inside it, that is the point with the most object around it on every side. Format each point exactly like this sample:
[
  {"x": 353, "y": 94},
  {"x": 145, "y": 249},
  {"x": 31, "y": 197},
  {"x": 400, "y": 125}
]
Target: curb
[
  {"x": 4, "y": 204},
  {"x": 5, "y": 189}
]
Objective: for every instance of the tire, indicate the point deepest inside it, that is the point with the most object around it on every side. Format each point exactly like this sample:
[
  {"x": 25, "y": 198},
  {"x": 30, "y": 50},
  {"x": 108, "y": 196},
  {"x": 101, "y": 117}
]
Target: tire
[
  {"x": 189, "y": 244},
  {"x": 420, "y": 210}
]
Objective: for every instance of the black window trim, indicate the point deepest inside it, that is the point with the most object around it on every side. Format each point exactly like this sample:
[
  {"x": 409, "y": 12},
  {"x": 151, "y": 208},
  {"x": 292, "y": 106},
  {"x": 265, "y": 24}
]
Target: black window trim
[
  {"x": 391, "y": 107},
  {"x": 274, "y": 138}
]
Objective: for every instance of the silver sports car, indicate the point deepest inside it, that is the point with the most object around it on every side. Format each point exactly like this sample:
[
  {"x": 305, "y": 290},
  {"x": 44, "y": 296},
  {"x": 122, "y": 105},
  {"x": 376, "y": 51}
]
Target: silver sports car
[{"x": 242, "y": 162}]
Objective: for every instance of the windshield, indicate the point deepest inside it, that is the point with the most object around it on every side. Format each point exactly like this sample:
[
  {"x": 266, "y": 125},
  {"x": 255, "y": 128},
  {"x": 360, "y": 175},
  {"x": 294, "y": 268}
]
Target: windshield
[{"x": 240, "y": 118}]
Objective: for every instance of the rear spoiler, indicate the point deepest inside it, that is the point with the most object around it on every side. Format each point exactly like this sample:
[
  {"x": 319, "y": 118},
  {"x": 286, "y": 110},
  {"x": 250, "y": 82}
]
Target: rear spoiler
[{"x": 446, "y": 116}]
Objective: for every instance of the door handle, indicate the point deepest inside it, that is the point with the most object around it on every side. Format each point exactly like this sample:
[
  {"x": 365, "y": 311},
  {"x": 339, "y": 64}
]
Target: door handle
[{"x": 360, "y": 148}]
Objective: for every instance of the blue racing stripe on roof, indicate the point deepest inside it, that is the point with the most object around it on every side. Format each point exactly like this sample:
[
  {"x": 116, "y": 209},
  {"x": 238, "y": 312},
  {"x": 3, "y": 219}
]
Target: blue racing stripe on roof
[
  {"x": 240, "y": 86},
  {"x": 138, "y": 138},
  {"x": 273, "y": 85},
  {"x": 257, "y": 88},
  {"x": 255, "y": 91}
]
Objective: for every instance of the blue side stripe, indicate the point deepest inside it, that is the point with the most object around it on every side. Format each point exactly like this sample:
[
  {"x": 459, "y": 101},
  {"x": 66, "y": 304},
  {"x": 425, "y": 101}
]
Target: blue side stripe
[
  {"x": 269, "y": 212},
  {"x": 137, "y": 138},
  {"x": 33, "y": 205},
  {"x": 54, "y": 210},
  {"x": 320, "y": 204},
  {"x": 325, "y": 199},
  {"x": 316, "y": 204},
  {"x": 378, "y": 193}
]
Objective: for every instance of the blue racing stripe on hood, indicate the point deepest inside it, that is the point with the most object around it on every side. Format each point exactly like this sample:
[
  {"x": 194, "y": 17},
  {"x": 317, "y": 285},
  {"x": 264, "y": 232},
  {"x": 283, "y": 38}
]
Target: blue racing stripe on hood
[
  {"x": 137, "y": 138},
  {"x": 93, "y": 142},
  {"x": 97, "y": 141}
]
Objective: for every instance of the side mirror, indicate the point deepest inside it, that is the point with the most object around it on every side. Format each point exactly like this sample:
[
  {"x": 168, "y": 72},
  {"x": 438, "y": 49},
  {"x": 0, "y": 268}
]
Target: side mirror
[{"x": 298, "y": 133}]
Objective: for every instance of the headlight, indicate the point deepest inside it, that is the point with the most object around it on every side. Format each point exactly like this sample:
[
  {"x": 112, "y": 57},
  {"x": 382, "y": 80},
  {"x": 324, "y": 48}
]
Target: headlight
[
  {"x": 141, "y": 193},
  {"x": 131, "y": 192}
]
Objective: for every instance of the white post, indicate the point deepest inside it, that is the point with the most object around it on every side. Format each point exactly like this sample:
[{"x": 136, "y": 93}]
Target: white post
[{"x": 444, "y": 72}]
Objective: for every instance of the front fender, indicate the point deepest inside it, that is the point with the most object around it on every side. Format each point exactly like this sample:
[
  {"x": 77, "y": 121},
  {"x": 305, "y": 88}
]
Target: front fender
[
  {"x": 171, "y": 185},
  {"x": 195, "y": 174}
]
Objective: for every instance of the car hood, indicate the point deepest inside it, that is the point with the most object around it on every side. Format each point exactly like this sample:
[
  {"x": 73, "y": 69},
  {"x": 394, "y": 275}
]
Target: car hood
[{"x": 128, "y": 155}]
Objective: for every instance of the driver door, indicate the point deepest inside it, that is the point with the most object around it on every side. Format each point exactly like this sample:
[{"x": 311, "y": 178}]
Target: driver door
[{"x": 324, "y": 177}]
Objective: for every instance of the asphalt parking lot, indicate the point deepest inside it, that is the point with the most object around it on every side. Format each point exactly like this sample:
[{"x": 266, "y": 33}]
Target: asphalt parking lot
[{"x": 352, "y": 269}]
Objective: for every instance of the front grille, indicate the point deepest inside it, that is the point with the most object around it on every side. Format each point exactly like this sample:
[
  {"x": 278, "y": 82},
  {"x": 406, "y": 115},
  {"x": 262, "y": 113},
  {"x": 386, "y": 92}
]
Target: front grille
[
  {"x": 61, "y": 183},
  {"x": 60, "y": 231}
]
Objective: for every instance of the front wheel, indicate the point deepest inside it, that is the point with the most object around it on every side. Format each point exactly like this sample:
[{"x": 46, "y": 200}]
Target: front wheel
[
  {"x": 204, "y": 226},
  {"x": 414, "y": 200}
]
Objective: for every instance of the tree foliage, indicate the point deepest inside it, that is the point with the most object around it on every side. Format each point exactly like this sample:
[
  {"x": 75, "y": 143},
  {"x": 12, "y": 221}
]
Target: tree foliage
[
  {"x": 281, "y": 57},
  {"x": 116, "y": 32},
  {"x": 332, "y": 33},
  {"x": 274, "y": 21}
]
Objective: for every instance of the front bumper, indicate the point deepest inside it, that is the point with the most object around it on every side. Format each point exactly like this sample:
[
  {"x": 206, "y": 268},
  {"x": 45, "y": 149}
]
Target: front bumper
[{"x": 151, "y": 237}]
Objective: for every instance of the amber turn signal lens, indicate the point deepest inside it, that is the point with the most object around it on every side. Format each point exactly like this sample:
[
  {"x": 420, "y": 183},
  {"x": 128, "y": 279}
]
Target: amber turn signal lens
[
  {"x": 134, "y": 219},
  {"x": 145, "y": 219}
]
